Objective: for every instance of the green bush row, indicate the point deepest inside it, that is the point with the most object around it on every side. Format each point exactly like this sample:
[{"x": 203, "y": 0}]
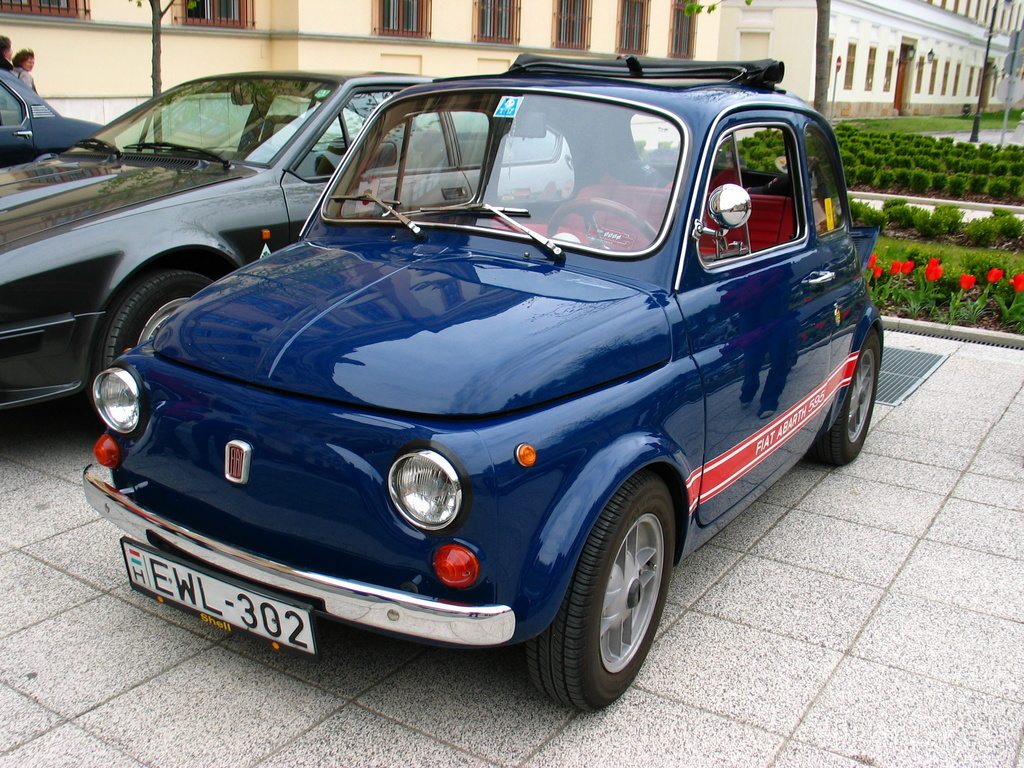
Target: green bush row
[
  {"x": 1006, "y": 187},
  {"x": 944, "y": 221}
]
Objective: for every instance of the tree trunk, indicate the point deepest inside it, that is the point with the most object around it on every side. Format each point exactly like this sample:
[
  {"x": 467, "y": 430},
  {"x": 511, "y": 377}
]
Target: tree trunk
[
  {"x": 822, "y": 64},
  {"x": 157, "y": 16}
]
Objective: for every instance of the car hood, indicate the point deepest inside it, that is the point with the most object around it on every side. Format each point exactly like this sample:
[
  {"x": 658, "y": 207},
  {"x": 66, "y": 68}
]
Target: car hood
[
  {"x": 38, "y": 197},
  {"x": 445, "y": 332}
]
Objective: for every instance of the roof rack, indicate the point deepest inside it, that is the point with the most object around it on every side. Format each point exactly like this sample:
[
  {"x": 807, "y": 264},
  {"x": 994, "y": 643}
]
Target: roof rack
[{"x": 765, "y": 73}]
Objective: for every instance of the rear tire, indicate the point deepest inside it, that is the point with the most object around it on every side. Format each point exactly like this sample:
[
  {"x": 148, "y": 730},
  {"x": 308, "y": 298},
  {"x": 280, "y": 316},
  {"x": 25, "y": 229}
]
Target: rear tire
[
  {"x": 140, "y": 309},
  {"x": 844, "y": 440},
  {"x": 594, "y": 648}
]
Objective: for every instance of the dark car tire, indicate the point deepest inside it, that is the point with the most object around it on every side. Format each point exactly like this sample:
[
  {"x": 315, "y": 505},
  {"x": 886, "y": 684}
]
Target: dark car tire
[
  {"x": 139, "y": 310},
  {"x": 842, "y": 443},
  {"x": 574, "y": 661}
]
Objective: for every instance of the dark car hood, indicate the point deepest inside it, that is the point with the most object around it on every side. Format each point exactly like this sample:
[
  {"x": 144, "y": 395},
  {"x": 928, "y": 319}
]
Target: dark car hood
[
  {"x": 40, "y": 196},
  {"x": 449, "y": 333}
]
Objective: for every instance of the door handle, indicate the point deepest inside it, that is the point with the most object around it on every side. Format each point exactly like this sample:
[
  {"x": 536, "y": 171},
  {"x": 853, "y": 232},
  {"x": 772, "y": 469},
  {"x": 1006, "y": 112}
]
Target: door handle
[
  {"x": 24, "y": 134},
  {"x": 819, "y": 278}
]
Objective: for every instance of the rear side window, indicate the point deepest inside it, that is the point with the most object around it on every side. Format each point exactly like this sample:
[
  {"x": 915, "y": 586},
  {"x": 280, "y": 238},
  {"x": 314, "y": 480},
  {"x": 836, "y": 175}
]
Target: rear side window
[
  {"x": 826, "y": 188},
  {"x": 10, "y": 108}
]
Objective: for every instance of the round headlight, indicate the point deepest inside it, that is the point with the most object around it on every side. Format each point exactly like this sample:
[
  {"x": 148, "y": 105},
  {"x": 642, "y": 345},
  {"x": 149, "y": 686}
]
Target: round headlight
[
  {"x": 426, "y": 489},
  {"x": 116, "y": 394}
]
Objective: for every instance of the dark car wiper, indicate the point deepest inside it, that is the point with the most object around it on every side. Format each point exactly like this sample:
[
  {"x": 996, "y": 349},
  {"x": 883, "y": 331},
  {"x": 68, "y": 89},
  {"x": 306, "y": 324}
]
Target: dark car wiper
[
  {"x": 387, "y": 205},
  {"x": 505, "y": 216},
  {"x": 171, "y": 147},
  {"x": 103, "y": 146}
]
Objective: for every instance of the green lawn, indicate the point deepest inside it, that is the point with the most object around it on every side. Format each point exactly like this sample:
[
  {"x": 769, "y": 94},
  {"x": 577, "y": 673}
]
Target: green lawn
[{"x": 936, "y": 123}]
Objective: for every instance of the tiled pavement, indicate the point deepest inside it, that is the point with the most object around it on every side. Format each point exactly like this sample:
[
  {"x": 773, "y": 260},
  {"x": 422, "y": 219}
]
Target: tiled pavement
[{"x": 867, "y": 616}]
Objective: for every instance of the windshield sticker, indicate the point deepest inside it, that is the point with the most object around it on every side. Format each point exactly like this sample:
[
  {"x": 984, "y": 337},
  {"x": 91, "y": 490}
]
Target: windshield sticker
[
  {"x": 508, "y": 106},
  {"x": 323, "y": 93}
]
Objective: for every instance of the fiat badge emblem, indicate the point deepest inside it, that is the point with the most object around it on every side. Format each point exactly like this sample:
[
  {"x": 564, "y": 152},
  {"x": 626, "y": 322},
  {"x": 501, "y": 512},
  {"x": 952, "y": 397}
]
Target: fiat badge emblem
[{"x": 237, "y": 455}]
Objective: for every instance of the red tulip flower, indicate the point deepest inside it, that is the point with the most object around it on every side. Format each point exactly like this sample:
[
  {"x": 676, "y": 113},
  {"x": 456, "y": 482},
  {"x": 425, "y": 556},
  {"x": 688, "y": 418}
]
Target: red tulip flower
[
  {"x": 872, "y": 260},
  {"x": 995, "y": 275},
  {"x": 933, "y": 271},
  {"x": 967, "y": 282},
  {"x": 1018, "y": 282},
  {"x": 908, "y": 267},
  {"x": 896, "y": 268},
  {"x": 933, "y": 262},
  {"x": 876, "y": 271}
]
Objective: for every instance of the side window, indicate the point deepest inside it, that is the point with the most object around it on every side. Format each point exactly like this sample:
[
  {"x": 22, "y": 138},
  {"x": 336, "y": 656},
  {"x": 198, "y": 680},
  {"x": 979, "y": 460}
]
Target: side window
[
  {"x": 10, "y": 108},
  {"x": 825, "y": 185},
  {"x": 759, "y": 159},
  {"x": 326, "y": 153}
]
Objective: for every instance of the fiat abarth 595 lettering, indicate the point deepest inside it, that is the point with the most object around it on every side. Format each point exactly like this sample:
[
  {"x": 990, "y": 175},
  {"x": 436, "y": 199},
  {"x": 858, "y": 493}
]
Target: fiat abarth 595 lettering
[{"x": 544, "y": 335}]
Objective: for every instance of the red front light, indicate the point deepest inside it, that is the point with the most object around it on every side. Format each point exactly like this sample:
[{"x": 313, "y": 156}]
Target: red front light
[
  {"x": 456, "y": 566},
  {"x": 107, "y": 452}
]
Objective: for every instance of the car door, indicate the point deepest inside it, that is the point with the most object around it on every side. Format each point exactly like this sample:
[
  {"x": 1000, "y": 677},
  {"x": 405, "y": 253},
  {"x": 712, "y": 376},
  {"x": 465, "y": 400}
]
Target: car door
[
  {"x": 16, "y": 140},
  {"x": 302, "y": 186},
  {"x": 757, "y": 306}
]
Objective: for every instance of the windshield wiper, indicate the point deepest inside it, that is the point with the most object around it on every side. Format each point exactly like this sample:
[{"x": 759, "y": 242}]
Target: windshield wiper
[
  {"x": 388, "y": 206},
  {"x": 103, "y": 146},
  {"x": 505, "y": 216},
  {"x": 171, "y": 147}
]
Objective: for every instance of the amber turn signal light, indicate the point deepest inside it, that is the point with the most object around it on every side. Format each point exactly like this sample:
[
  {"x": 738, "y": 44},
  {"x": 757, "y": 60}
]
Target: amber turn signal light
[
  {"x": 526, "y": 454},
  {"x": 456, "y": 565},
  {"x": 107, "y": 452}
]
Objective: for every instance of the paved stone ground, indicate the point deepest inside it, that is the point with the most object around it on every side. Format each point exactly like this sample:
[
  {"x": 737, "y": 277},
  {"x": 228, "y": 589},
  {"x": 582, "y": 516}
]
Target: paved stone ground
[{"x": 870, "y": 615}]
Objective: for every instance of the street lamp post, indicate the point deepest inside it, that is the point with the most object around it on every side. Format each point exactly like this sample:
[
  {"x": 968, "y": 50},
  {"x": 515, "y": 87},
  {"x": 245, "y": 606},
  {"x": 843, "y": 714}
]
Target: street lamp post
[{"x": 984, "y": 72}]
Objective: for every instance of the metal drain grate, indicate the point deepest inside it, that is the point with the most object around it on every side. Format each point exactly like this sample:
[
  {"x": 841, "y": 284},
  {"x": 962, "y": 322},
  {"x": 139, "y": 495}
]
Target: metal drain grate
[{"x": 903, "y": 371}]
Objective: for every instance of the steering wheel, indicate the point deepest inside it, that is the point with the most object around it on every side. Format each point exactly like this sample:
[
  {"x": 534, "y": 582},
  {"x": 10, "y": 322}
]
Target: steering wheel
[{"x": 587, "y": 207}]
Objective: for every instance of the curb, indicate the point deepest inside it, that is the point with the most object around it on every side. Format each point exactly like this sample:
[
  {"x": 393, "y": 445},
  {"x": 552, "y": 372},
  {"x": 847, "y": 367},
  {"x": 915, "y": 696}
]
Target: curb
[
  {"x": 964, "y": 204},
  {"x": 954, "y": 332}
]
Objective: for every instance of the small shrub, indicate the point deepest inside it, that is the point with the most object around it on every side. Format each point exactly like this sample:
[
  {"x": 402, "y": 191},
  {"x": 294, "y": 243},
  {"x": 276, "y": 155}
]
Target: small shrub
[
  {"x": 902, "y": 177},
  {"x": 1013, "y": 184},
  {"x": 866, "y": 175},
  {"x": 956, "y": 184},
  {"x": 893, "y": 202},
  {"x": 885, "y": 178},
  {"x": 949, "y": 218},
  {"x": 981, "y": 232},
  {"x": 902, "y": 216},
  {"x": 982, "y": 167},
  {"x": 1017, "y": 168},
  {"x": 1000, "y": 168},
  {"x": 927, "y": 225},
  {"x": 871, "y": 217},
  {"x": 919, "y": 181},
  {"x": 1007, "y": 226},
  {"x": 977, "y": 184},
  {"x": 939, "y": 181},
  {"x": 997, "y": 188}
]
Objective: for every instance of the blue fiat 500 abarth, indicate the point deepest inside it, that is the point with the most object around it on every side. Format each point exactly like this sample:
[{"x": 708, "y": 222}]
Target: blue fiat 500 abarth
[{"x": 544, "y": 334}]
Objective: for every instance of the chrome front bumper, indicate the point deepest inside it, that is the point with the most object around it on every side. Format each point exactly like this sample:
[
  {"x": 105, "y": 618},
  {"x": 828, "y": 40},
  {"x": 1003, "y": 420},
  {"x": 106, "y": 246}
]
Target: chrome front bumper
[{"x": 347, "y": 600}]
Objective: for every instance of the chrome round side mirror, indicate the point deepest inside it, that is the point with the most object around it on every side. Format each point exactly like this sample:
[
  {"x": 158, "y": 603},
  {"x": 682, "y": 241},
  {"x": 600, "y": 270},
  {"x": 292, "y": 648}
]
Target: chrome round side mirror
[{"x": 729, "y": 206}]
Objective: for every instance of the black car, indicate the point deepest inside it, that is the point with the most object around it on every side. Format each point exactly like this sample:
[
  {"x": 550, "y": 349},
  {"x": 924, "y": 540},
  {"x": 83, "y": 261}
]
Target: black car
[
  {"x": 29, "y": 127},
  {"x": 99, "y": 245}
]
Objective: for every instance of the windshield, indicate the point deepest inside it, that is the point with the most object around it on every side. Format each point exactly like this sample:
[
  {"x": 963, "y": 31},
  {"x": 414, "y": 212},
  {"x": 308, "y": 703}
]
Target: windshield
[
  {"x": 235, "y": 119},
  {"x": 574, "y": 172}
]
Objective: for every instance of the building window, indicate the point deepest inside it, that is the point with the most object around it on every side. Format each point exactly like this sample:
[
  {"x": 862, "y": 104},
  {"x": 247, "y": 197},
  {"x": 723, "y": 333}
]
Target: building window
[
  {"x": 931, "y": 79},
  {"x": 633, "y": 26},
  {"x": 956, "y": 80},
  {"x": 851, "y": 57},
  {"x": 404, "y": 18},
  {"x": 945, "y": 77},
  {"x": 956, "y": 6},
  {"x": 497, "y": 21},
  {"x": 970, "y": 82},
  {"x": 683, "y": 31},
  {"x": 869, "y": 78},
  {"x": 920, "y": 74},
  {"x": 76, "y": 8},
  {"x": 218, "y": 13},
  {"x": 890, "y": 59},
  {"x": 572, "y": 24}
]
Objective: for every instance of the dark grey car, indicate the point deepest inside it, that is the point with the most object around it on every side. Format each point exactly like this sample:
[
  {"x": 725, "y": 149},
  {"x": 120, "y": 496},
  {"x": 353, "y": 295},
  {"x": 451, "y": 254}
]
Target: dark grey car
[{"x": 100, "y": 245}]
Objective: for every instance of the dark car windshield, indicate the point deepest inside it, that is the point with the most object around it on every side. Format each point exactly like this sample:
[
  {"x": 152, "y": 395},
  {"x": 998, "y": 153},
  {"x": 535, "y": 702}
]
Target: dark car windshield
[
  {"x": 235, "y": 119},
  {"x": 591, "y": 174}
]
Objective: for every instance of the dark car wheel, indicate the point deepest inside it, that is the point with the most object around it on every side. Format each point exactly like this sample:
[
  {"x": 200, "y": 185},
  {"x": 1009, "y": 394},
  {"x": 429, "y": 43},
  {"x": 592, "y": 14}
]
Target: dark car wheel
[
  {"x": 843, "y": 442},
  {"x": 601, "y": 635},
  {"x": 141, "y": 309}
]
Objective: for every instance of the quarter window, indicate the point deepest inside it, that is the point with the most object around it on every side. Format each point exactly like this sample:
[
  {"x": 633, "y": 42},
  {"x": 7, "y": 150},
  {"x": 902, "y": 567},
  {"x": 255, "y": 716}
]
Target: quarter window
[
  {"x": 827, "y": 203},
  {"x": 11, "y": 112}
]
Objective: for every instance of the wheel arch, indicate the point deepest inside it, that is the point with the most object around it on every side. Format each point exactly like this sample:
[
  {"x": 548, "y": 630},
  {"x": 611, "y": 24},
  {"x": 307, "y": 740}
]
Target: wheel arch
[{"x": 204, "y": 260}]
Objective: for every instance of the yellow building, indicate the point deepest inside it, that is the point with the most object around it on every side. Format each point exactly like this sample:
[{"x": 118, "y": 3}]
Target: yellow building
[{"x": 908, "y": 56}]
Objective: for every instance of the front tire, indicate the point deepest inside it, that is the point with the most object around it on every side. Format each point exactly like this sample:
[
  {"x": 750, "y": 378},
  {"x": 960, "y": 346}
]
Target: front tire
[
  {"x": 844, "y": 440},
  {"x": 609, "y": 616},
  {"x": 139, "y": 310}
]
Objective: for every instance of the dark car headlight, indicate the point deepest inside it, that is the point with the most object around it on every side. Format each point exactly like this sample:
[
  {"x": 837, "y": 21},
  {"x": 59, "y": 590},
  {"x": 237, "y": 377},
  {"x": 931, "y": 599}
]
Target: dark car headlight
[
  {"x": 117, "y": 394},
  {"x": 427, "y": 489}
]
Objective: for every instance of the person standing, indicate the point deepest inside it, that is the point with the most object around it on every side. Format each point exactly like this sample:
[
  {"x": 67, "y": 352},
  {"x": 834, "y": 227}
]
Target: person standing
[
  {"x": 24, "y": 62},
  {"x": 5, "y": 54}
]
